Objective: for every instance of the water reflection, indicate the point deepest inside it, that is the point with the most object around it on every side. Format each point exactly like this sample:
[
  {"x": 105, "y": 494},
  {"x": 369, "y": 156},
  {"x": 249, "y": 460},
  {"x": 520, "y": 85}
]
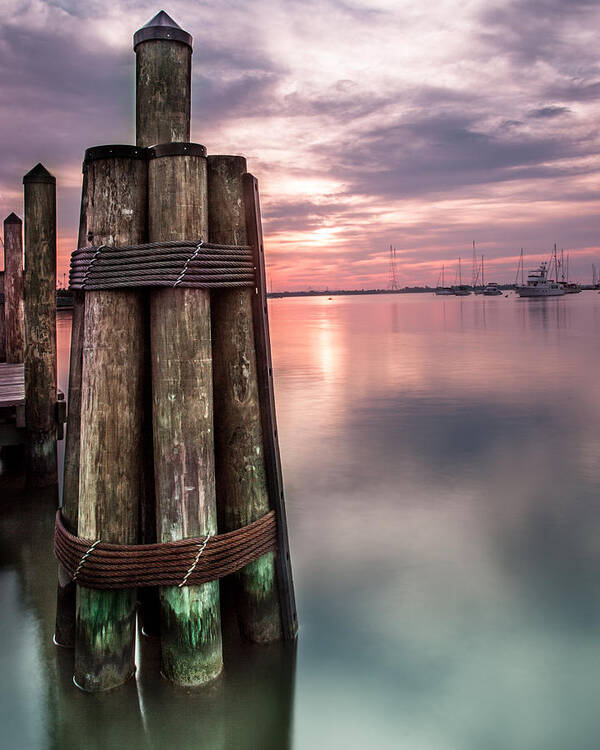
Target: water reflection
[
  {"x": 452, "y": 474},
  {"x": 441, "y": 464}
]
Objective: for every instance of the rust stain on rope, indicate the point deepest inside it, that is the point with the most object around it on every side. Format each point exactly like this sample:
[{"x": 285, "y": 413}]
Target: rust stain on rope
[{"x": 122, "y": 566}]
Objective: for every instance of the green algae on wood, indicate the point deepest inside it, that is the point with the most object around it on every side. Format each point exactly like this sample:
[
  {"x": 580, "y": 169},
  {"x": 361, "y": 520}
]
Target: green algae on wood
[
  {"x": 190, "y": 626},
  {"x": 105, "y": 624},
  {"x": 240, "y": 465}
]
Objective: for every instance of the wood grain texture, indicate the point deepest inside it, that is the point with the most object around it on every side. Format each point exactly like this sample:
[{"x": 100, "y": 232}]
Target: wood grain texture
[
  {"x": 183, "y": 422},
  {"x": 13, "y": 290},
  {"x": 163, "y": 92},
  {"x": 242, "y": 492},
  {"x": 111, "y": 424},
  {"x": 40, "y": 326}
]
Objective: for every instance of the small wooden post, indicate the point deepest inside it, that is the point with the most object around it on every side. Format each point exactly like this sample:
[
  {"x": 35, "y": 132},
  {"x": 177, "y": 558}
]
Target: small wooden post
[
  {"x": 111, "y": 418},
  {"x": 242, "y": 489},
  {"x": 183, "y": 415},
  {"x": 40, "y": 325},
  {"x": 2, "y": 320},
  {"x": 64, "y": 634},
  {"x": 283, "y": 563},
  {"x": 13, "y": 288},
  {"x": 163, "y": 81}
]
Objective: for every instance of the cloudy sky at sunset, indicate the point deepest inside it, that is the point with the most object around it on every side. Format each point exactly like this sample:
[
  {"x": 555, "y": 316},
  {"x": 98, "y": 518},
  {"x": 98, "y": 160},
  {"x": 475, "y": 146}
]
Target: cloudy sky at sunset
[{"x": 367, "y": 122}]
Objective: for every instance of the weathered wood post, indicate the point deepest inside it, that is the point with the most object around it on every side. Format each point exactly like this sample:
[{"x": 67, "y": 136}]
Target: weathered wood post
[
  {"x": 13, "y": 289},
  {"x": 180, "y": 346},
  {"x": 163, "y": 52},
  {"x": 240, "y": 466},
  {"x": 260, "y": 313},
  {"x": 64, "y": 633},
  {"x": 40, "y": 325},
  {"x": 163, "y": 59},
  {"x": 111, "y": 418},
  {"x": 183, "y": 415}
]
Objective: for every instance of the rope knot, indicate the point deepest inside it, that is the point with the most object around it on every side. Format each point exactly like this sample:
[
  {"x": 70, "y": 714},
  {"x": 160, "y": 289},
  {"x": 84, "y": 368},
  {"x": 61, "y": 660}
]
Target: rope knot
[
  {"x": 85, "y": 557},
  {"x": 201, "y": 549},
  {"x": 187, "y": 263}
]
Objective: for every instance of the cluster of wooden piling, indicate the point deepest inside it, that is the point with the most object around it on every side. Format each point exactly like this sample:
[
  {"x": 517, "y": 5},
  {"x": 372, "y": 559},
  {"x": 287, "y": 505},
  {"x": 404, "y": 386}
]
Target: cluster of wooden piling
[
  {"x": 31, "y": 408},
  {"x": 171, "y": 427}
]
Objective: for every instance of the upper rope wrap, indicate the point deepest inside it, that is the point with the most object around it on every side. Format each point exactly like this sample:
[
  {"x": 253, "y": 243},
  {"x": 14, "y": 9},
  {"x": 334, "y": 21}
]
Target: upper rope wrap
[{"x": 200, "y": 265}]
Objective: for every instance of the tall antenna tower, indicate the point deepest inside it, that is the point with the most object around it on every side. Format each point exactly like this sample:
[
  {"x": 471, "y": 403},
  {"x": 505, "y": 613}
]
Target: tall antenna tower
[{"x": 393, "y": 271}]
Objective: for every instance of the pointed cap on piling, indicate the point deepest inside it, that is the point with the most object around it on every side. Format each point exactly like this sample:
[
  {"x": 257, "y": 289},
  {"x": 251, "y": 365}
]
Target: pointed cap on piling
[
  {"x": 12, "y": 218},
  {"x": 39, "y": 174},
  {"x": 162, "y": 26}
]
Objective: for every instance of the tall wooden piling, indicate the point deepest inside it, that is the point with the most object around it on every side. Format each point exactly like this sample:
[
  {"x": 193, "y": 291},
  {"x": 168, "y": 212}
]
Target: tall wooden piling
[
  {"x": 163, "y": 53},
  {"x": 180, "y": 347},
  {"x": 183, "y": 415},
  {"x": 64, "y": 633},
  {"x": 40, "y": 325},
  {"x": 240, "y": 466},
  {"x": 13, "y": 289},
  {"x": 111, "y": 417}
]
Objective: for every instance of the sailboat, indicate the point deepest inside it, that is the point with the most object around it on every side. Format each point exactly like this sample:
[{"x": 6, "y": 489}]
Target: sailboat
[
  {"x": 461, "y": 290},
  {"x": 443, "y": 290},
  {"x": 477, "y": 288},
  {"x": 570, "y": 287}
]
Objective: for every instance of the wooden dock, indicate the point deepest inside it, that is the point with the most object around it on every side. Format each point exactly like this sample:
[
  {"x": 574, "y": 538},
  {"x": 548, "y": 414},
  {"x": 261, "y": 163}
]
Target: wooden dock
[{"x": 12, "y": 405}]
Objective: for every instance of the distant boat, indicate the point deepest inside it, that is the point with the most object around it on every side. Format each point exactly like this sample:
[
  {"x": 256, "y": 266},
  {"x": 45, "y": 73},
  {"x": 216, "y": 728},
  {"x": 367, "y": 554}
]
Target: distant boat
[
  {"x": 477, "y": 287},
  {"x": 492, "y": 290},
  {"x": 443, "y": 290},
  {"x": 539, "y": 285},
  {"x": 460, "y": 289}
]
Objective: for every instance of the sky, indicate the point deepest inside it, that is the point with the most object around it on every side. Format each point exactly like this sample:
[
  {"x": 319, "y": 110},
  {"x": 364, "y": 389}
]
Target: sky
[{"x": 427, "y": 126}]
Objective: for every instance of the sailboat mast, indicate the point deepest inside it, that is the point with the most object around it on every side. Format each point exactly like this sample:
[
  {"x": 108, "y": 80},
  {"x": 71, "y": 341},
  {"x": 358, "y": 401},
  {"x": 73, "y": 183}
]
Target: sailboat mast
[
  {"x": 482, "y": 274},
  {"x": 459, "y": 272}
]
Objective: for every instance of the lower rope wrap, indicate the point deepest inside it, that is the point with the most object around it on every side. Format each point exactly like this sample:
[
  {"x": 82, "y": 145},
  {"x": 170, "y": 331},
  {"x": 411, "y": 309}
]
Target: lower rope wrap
[{"x": 100, "y": 565}]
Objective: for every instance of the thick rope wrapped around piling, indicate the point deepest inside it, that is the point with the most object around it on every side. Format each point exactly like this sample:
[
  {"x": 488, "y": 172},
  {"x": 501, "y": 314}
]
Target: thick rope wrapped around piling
[
  {"x": 187, "y": 562},
  {"x": 200, "y": 265}
]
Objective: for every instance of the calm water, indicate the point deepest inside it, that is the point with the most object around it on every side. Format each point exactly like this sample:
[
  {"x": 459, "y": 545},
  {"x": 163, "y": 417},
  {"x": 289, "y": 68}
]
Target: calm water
[{"x": 442, "y": 466}]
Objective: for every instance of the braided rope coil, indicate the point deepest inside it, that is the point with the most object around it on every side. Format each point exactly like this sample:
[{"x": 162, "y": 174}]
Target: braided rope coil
[
  {"x": 188, "y": 562},
  {"x": 203, "y": 265}
]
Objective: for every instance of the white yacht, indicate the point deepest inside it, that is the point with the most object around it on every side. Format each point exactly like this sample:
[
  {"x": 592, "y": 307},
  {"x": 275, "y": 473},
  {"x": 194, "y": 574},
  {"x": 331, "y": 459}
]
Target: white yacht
[{"x": 539, "y": 285}]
